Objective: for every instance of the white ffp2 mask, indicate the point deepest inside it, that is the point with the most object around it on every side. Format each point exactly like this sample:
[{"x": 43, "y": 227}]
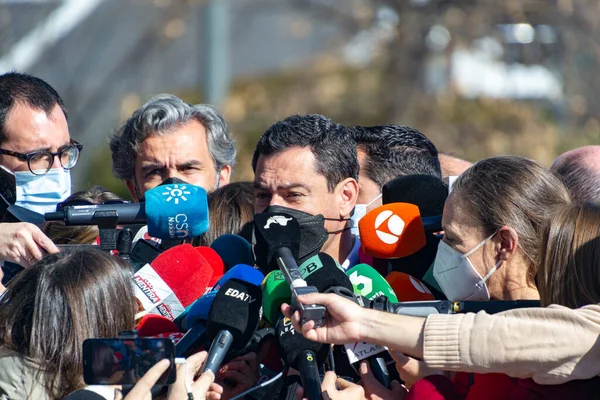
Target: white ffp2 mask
[{"x": 457, "y": 277}]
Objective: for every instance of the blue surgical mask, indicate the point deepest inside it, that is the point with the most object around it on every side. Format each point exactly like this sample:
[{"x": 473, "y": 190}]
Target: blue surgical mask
[{"x": 41, "y": 193}]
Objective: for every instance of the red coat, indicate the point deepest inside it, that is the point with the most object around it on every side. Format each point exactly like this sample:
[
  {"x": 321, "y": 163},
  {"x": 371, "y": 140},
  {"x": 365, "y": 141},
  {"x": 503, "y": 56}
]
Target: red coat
[{"x": 499, "y": 387}]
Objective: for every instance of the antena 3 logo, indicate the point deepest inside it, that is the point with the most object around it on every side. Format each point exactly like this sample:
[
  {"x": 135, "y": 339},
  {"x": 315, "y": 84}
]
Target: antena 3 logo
[
  {"x": 395, "y": 226},
  {"x": 277, "y": 219},
  {"x": 176, "y": 193},
  {"x": 392, "y": 230}
]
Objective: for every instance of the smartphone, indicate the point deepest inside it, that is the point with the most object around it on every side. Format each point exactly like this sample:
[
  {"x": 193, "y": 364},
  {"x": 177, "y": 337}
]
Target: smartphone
[
  {"x": 125, "y": 361},
  {"x": 143, "y": 253},
  {"x": 8, "y": 185}
]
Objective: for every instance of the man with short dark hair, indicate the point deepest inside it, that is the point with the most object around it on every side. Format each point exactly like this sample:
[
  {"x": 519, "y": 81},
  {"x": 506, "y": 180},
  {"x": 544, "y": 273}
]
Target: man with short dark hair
[
  {"x": 35, "y": 148},
  {"x": 308, "y": 163},
  {"x": 386, "y": 152},
  {"x": 579, "y": 170}
]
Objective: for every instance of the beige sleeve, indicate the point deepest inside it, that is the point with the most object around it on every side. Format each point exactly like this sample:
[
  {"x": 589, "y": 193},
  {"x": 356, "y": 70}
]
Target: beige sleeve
[{"x": 551, "y": 345}]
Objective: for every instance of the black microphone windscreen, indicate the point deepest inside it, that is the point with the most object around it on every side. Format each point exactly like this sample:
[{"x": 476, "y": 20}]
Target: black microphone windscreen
[
  {"x": 327, "y": 273},
  {"x": 237, "y": 309},
  {"x": 273, "y": 231},
  {"x": 418, "y": 264},
  {"x": 427, "y": 192},
  {"x": 233, "y": 250},
  {"x": 343, "y": 367},
  {"x": 291, "y": 344}
]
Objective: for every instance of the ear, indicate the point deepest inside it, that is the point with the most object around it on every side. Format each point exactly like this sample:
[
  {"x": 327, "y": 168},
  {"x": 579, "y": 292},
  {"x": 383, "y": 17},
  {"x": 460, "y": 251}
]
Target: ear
[
  {"x": 348, "y": 194},
  {"x": 224, "y": 175},
  {"x": 508, "y": 242},
  {"x": 131, "y": 186}
]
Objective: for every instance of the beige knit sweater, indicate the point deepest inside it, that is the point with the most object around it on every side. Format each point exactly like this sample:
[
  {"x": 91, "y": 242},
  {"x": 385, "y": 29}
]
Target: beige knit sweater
[{"x": 551, "y": 345}]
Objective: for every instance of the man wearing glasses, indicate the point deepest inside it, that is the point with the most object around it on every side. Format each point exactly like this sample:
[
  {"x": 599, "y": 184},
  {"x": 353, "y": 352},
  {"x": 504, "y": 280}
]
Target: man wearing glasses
[{"x": 36, "y": 148}]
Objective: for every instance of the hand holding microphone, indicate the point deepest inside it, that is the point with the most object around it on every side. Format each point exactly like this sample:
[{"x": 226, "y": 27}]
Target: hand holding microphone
[
  {"x": 348, "y": 322},
  {"x": 343, "y": 323},
  {"x": 184, "y": 385},
  {"x": 374, "y": 389},
  {"x": 335, "y": 388},
  {"x": 237, "y": 376}
]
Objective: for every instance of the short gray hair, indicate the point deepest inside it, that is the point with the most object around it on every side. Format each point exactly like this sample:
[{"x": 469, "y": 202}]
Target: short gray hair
[{"x": 159, "y": 116}]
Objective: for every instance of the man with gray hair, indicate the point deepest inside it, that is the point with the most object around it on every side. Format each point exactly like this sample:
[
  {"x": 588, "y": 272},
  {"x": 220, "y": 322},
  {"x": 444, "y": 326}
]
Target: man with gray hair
[
  {"x": 168, "y": 138},
  {"x": 579, "y": 170}
]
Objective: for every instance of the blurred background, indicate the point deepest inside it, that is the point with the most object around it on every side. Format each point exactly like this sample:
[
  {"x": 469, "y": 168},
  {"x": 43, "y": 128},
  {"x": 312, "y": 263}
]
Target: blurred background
[{"x": 479, "y": 77}]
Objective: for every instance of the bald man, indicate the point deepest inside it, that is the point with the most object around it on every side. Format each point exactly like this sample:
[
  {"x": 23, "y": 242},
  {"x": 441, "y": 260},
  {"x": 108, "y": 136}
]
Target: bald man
[{"x": 580, "y": 171}]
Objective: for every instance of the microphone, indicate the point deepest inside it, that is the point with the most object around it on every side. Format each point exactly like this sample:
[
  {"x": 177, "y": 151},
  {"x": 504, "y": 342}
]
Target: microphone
[
  {"x": 320, "y": 271},
  {"x": 328, "y": 277},
  {"x": 276, "y": 291},
  {"x": 493, "y": 306},
  {"x": 369, "y": 283},
  {"x": 173, "y": 281},
  {"x": 324, "y": 273},
  {"x": 408, "y": 288},
  {"x": 278, "y": 237},
  {"x": 196, "y": 329},
  {"x": 232, "y": 319},
  {"x": 199, "y": 309},
  {"x": 233, "y": 250},
  {"x": 275, "y": 235},
  {"x": 153, "y": 325},
  {"x": 217, "y": 265},
  {"x": 392, "y": 231},
  {"x": 303, "y": 355},
  {"x": 242, "y": 272},
  {"x": 143, "y": 252},
  {"x": 193, "y": 319},
  {"x": 427, "y": 192},
  {"x": 425, "y": 308},
  {"x": 172, "y": 212}
]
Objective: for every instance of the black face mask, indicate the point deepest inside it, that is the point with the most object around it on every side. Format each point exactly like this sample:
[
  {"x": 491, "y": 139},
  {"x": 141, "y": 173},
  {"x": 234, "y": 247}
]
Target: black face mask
[
  {"x": 313, "y": 234},
  {"x": 312, "y": 231},
  {"x": 171, "y": 181}
]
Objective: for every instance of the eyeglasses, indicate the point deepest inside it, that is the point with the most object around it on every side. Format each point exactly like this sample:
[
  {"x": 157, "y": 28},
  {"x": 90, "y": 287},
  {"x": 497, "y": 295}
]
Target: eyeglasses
[
  {"x": 67, "y": 203},
  {"x": 40, "y": 162}
]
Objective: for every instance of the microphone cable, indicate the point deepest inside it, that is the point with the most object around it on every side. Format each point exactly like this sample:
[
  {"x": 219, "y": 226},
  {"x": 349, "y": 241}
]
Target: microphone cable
[{"x": 260, "y": 386}]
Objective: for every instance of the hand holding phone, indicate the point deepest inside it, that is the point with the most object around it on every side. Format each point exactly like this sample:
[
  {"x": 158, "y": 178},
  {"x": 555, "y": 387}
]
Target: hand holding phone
[
  {"x": 126, "y": 361},
  {"x": 183, "y": 387}
]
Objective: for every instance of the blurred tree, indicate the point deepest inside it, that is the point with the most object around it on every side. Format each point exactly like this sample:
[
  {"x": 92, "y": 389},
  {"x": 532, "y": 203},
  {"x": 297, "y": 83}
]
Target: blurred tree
[{"x": 385, "y": 80}]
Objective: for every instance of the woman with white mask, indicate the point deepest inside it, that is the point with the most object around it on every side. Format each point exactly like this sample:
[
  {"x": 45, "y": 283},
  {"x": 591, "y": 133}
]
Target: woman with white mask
[{"x": 492, "y": 222}]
